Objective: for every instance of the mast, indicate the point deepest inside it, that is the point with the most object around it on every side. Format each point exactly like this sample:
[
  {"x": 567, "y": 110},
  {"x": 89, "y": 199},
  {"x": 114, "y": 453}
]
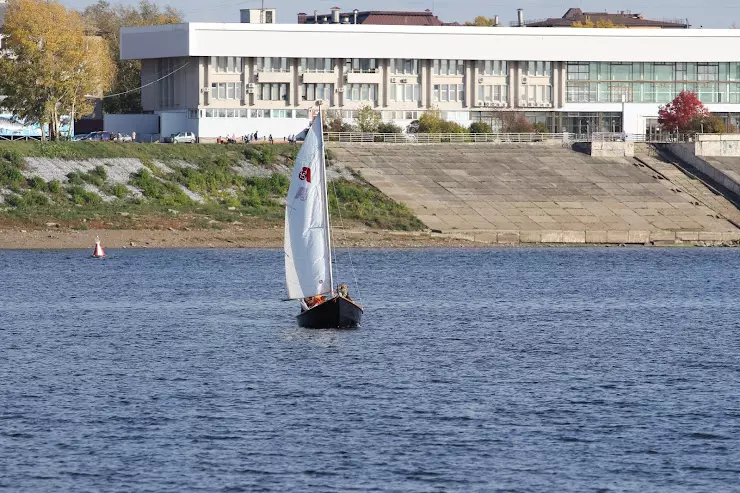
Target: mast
[{"x": 326, "y": 200}]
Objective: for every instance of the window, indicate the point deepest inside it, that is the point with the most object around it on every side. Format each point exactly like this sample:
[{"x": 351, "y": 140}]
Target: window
[
  {"x": 404, "y": 92},
  {"x": 537, "y": 69},
  {"x": 259, "y": 113},
  {"x": 449, "y": 92},
  {"x": 273, "y": 64},
  {"x": 273, "y": 92},
  {"x": 317, "y": 64},
  {"x": 577, "y": 71},
  {"x": 192, "y": 114},
  {"x": 361, "y": 92},
  {"x": 707, "y": 71},
  {"x": 268, "y": 17},
  {"x": 360, "y": 65},
  {"x": 282, "y": 113},
  {"x": 301, "y": 113},
  {"x": 313, "y": 92},
  {"x": 404, "y": 66},
  {"x": 448, "y": 67},
  {"x": 492, "y": 67},
  {"x": 491, "y": 93},
  {"x": 226, "y": 90},
  {"x": 226, "y": 64}
]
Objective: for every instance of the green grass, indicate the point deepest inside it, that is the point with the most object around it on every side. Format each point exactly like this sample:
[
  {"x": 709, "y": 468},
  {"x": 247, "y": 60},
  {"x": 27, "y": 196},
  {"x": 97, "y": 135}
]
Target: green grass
[{"x": 211, "y": 175}]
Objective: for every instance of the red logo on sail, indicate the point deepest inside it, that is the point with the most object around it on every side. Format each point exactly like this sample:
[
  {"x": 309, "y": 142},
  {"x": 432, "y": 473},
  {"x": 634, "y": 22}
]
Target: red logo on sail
[{"x": 305, "y": 174}]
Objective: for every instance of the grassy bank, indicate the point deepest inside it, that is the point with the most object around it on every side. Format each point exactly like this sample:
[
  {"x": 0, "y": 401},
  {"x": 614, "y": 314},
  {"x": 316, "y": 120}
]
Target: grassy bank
[{"x": 174, "y": 186}]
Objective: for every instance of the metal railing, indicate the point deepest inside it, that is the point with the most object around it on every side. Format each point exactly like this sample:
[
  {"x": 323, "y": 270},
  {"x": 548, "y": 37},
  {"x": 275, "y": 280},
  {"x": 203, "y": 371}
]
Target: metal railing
[
  {"x": 424, "y": 138},
  {"x": 19, "y": 137}
]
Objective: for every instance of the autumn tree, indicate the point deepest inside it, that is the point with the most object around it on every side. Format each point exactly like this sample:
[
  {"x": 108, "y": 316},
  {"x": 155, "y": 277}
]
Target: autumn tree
[
  {"x": 107, "y": 20},
  {"x": 482, "y": 21},
  {"x": 683, "y": 113},
  {"x": 54, "y": 68},
  {"x": 368, "y": 120}
]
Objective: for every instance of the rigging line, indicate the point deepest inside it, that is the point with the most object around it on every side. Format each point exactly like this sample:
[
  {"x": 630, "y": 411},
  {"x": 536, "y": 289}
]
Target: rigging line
[
  {"x": 148, "y": 84},
  {"x": 349, "y": 251}
]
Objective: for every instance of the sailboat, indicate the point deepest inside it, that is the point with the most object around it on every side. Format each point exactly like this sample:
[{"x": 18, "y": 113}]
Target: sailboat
[
  {"x": 99, "y": 252},
  {"x": 308, "y": 259}
]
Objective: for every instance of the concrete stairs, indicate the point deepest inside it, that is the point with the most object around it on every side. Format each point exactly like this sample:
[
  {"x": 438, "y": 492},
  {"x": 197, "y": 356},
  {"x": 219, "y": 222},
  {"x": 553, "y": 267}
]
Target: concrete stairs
[{"x": 529, "y": 193}]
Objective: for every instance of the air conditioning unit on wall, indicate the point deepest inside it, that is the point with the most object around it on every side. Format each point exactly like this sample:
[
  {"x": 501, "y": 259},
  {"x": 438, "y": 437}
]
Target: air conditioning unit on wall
[
  {"x": 524, "y": 80},
  {"x": 480, "y": 80},
  {"x": 340, "y": 89},
  {"x": 393, "y": 79},
  {"x": 479, "y": 103}
]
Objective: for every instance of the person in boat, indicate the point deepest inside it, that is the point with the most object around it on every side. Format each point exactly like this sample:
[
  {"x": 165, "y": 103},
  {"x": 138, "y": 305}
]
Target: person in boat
[{"x": 344, "y": 291}]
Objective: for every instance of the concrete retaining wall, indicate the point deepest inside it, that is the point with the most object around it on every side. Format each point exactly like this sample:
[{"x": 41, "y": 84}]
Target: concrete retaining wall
[
  {"x": 688, "y": 152},
  {"x": 599, "y": 237},
  {"x": 727, "y": 145},
  {"x": 612, "y": 149}
]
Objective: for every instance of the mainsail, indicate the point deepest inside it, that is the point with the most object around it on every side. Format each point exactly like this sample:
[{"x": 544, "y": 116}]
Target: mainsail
[{"x": 307, "y": 242}]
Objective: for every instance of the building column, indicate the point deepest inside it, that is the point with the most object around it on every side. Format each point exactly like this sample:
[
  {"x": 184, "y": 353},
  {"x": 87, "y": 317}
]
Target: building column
[
  {"x": 204, "y": 69},
  {"x": 340, "y": 81},
  {"x": 471, "y": 95},
  {"x": 386, "y": 89},
  {"x": 424, "y": 84},
  {"x": 513, "y": 84}
]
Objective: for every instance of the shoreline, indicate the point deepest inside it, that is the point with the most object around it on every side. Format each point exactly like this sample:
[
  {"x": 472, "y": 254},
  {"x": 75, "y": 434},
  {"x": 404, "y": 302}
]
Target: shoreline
[{"x": 272, "y": 237}]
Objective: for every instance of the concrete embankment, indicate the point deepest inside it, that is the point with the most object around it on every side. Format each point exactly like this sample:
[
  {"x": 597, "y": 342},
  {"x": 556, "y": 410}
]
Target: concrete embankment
[{"x": 542, "y": 194}]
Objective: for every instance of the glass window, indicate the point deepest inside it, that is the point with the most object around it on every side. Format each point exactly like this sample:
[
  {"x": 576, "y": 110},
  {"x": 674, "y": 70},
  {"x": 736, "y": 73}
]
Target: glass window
[
  {"x": 230, "y": 91},
  {"x": 222, "y": 91}
]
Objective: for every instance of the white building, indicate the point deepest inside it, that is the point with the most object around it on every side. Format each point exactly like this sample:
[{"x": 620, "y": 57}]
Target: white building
[{"x": 240, "y": 78}]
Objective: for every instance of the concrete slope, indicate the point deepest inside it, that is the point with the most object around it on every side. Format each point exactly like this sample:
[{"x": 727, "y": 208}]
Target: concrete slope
[{"x": 535, "y": 191}]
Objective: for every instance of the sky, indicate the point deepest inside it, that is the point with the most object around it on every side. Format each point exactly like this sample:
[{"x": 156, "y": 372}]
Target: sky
[{"x": 706, "y": 13}]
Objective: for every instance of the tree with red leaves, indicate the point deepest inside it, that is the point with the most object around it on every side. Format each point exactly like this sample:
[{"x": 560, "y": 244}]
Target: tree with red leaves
[{"x": 683, "y": 113}]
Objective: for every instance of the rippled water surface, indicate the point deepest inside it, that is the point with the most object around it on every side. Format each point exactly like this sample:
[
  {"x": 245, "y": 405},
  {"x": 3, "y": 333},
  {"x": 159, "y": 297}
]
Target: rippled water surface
[{"x": 474, "y": 370}]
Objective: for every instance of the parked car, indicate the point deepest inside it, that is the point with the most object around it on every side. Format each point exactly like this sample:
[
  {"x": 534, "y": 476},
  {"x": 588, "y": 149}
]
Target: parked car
[
  {"x": 102, "y": 136},
  {"x": 79, "y": 137},
  {"x": 182, "y": 138},
  {"x": 123, "y": 138}
]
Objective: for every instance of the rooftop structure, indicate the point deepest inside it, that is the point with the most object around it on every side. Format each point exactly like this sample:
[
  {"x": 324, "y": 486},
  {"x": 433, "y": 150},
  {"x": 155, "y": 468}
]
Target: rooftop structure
[
  {"x": 626, "y": 19},
  {"x": 375, "y": 17},
  {"x": 238, "y": 78}
]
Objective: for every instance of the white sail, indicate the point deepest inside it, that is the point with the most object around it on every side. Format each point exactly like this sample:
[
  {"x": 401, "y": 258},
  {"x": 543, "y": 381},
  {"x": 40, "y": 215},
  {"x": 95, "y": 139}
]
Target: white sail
[{"x": 307, "y": 242}]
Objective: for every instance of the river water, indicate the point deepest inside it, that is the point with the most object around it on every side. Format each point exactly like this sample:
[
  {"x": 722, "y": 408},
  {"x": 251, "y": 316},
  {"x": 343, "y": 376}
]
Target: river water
[{"x": 599, "y": 369}]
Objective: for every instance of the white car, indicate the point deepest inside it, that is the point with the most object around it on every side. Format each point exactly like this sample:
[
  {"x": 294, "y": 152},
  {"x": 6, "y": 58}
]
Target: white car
[{"x": 184, "y": 138}]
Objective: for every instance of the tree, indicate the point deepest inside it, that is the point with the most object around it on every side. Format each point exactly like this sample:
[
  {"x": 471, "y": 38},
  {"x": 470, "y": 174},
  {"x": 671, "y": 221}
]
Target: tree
[
  {"x": 710, "y": 124},
  {"x": 514, "y": 123},
  {"x": 107, "y": 20},
  {"x": 54, "y": 68},
  {"x": 482, "y": 21},
  {"x": 368, "y": 120},
  {"x": 480, "y": 128},
  {"x": 540, "y": 127},
  {"x": 682, "y": 113},
  {"x": 389, "y": 128},
  {"x": 335, "y": 123},
  {"x": 431, "y": 122},
  {"x": 601, "y": 23}
]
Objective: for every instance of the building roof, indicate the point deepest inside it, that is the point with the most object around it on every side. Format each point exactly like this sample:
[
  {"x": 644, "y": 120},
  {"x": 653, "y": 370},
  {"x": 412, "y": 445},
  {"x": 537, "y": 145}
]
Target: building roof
[
  {"x": 626, "y": 19},
  {"x": 429, "y": 42},
  {"x": 379, "y": 17}
]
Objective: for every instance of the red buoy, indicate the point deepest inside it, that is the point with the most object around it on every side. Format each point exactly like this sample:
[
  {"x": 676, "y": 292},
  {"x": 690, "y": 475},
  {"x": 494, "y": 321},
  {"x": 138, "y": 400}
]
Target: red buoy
[{"x": 99, "y": 252}]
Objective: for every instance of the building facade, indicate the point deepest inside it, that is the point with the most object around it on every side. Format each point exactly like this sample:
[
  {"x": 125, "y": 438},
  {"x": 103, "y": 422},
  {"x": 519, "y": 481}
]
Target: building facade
[{"x": 226, "y": 79}]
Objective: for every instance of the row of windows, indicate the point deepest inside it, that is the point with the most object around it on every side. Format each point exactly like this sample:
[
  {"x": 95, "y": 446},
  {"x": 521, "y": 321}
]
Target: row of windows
[
  {"x": 650, "y": 92},
  {"x": 251, "y": 113},
  {"x": 448, "y": 67},
  {"x": 361, "y": 92},
  {"x": 493, "y": 93},
  {"x": 404, "y": 92},
  {"x": 226, "y": 64},
  {"x": 449, "y": 92},
  {"x": 536, "y": 94},
  {"x": 312, "y": 92},
  {"x": 226, "y": 90},
  {"x": 682, "y": 71}
]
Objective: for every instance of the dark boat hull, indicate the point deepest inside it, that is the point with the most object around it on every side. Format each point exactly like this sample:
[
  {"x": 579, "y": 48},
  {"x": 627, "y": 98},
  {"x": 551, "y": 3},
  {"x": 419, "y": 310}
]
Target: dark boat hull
[{"x": 335, "y": 313}]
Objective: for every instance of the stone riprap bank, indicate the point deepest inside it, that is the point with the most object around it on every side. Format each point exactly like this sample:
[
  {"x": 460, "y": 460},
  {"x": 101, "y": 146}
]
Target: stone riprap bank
[{"x": 540, "y": 194}]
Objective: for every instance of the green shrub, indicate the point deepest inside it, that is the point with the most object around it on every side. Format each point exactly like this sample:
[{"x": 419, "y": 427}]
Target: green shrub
[
  {"x": 37, "y": 183},
  {"x": 10, "y": 175},
  {"x": 100, "y": 172},
  {"x": 389, "y": 128},
  {"x": 119, "y": 191},
  {"x": 12, "y": 157},
  {"x": 54, "y": 186},
  {"x": 160, "y": 192},
  {"x": 260, "y": 153},
  {"x": 33, "y": 198},
  {"x": 480, "y": 128},
  {"x": 80, "y": 196},
  {"x": 13, "y": 200}
]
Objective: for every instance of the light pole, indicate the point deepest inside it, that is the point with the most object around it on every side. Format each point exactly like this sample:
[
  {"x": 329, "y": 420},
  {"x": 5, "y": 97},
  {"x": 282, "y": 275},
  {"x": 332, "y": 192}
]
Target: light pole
[{"x": 262, "y": 13}]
